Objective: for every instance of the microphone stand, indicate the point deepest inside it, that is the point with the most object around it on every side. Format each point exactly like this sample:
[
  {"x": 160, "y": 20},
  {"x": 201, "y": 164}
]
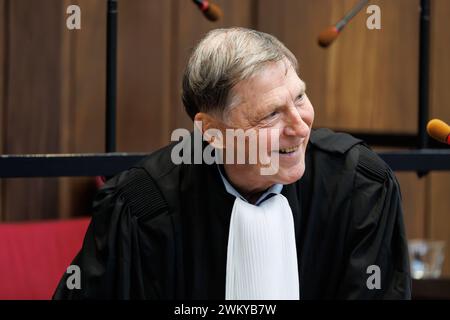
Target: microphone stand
[{"x": 349, "y": 16}]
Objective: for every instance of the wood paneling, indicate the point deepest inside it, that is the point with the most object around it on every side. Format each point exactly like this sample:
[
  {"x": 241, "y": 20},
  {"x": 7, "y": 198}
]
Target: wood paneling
[
  {"x": 145, "y": 64},
  {"x": 438, "y": 211},
  {"x": 367, "y": 79},
  {"x": 89, "y": 83},
  {"x": 3, "y": 26},
  {"x": 4, "y": 17},
  {"x": 33, "y": 98},
  {"x": 83, "y": 116},
  {"x": 414, "y": 203},
  {"x": 66, "y": 114}
]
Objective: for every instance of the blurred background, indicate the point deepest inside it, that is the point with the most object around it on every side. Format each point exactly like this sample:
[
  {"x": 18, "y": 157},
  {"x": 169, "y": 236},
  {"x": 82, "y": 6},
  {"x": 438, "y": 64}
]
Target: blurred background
[{"x": 53, "y": 80}]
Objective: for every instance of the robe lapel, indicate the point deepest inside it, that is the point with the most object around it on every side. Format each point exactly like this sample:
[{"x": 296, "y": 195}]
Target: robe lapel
[{"x": 206, "y": 212}]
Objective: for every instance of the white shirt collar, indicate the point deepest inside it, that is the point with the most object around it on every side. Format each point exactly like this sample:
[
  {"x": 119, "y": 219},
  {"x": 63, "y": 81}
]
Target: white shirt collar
[{"x": 273, "y": 190}]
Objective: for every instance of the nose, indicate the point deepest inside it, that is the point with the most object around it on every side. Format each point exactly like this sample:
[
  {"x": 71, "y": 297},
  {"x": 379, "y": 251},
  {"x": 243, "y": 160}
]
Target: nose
[{"x": 295, "y": 125}]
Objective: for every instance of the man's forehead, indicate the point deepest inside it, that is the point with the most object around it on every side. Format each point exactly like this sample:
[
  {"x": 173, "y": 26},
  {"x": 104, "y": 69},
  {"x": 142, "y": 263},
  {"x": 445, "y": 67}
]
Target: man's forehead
[
  {"x": 256, "y": 103},
  {"x": 270, "y": 81},
  {"x": 288, "y": 89}
]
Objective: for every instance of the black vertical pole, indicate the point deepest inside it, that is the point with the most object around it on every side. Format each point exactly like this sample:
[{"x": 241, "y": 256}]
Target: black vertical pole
[
  {"x": 111, "y": 75},
  {"x": 424, "y": 77}
]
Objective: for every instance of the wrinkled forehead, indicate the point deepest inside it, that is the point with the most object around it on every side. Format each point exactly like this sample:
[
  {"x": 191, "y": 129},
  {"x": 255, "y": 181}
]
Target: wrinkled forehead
[{"x": 276, "y": 81}]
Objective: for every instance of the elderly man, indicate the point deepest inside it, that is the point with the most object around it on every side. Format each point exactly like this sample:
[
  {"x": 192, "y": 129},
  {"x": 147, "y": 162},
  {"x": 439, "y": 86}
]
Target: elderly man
[{"x": 325, "y": 222}]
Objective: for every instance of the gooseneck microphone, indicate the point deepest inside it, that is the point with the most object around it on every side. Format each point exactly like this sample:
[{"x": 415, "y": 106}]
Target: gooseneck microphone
[
  {"x": 327, "y": 36},
  {"x": 211, "y": 11},
  {"x": 439, "y": 130}
]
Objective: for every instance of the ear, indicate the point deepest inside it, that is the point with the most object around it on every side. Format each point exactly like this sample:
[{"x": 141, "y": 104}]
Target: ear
[{"x": 211, "y": 129}]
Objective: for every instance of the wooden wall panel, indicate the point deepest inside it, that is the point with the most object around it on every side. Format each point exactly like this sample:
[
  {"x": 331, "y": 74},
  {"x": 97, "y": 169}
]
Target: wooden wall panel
[
  {"x": 89, "y": 83},
  {"x": 83, "y": 55},
  {"x": 367, "y": 79},
  {"x": 438, "y": 211},
  {"x": 66, "y": 108},
  {"x": 3, "y": 47},
  {"x": 144, "y": 33},
  {"x": 32, "y": 106},
  {"x": 414, "y": 203},
  {"x": 145, "y": 63}
]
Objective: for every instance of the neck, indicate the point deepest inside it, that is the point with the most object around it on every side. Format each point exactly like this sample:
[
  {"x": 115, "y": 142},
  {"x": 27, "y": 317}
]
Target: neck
[{"x": 246, "y": 186}]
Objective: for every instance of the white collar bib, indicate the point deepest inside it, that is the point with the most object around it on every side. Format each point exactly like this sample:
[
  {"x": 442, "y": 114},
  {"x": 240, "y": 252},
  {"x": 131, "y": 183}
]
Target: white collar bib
[{"x": 262, "y": 254}]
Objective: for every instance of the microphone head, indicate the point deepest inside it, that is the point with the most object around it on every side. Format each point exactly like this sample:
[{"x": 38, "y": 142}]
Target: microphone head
[
  {"x": 213, "y": 12},
  {"x": 327, "y": 36},
  {"x": 438, "y": 130}
]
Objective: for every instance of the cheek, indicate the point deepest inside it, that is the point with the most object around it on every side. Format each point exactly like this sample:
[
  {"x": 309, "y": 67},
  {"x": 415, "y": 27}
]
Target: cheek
[
  {"x": 273, "y": 139},
  {"x": 308, "y": 115}
]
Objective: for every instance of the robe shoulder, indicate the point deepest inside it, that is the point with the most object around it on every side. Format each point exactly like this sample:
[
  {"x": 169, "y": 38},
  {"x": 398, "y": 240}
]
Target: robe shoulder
[
  {"x": 353, "y": 152},
  {"x": 373, "y": 233},
  {"x": 333, "y": 142},
  {"x": 351, "y": 167},
  {"x": 134, "y": 227},
  {"x": 111, "y": 259}
]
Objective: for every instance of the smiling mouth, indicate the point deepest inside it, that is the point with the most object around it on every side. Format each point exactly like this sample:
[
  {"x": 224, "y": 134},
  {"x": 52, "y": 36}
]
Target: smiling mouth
[{"x": 289, "y": 150}]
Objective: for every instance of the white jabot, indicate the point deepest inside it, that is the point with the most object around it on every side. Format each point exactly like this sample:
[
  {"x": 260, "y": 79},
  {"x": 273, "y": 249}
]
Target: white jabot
[{"x": 262, "y": 254}]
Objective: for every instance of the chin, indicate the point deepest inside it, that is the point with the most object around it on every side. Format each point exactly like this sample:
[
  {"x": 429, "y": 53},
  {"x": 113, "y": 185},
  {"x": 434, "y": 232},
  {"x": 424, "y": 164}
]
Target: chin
[{"x": 292, "y": 174}]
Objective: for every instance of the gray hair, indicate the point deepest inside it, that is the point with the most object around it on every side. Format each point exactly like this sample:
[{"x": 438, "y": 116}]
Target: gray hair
[{"x": 223, "y": 58}]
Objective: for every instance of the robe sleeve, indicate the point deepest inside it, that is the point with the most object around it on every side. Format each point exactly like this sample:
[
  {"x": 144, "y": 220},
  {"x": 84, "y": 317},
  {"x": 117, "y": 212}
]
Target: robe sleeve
[
  {"x": 377, "y": 260},
  {"x": 109, "y": 260}
]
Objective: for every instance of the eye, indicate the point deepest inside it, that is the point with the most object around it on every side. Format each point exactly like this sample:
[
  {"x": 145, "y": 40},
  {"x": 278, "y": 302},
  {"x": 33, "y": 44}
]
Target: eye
[
  {"x": 300, "y": 97},
  {"x": 271, "y": 115}
]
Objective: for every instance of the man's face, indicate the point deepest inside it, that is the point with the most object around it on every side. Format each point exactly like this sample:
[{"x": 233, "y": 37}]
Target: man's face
[{"x": 273, "y": 103}]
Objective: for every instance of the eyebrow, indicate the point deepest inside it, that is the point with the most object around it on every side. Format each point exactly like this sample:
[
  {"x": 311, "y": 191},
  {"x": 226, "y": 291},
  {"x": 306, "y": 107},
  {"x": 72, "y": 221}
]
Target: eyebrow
[{"x": 275, "y": 106}]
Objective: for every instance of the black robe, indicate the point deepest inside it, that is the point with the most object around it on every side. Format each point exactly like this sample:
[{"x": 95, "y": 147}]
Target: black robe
[{"x": 347, "y": 215}]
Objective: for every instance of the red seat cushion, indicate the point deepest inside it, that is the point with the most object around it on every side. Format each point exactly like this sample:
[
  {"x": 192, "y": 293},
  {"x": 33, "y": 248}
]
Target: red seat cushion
[{"x": 34, "y": 256}]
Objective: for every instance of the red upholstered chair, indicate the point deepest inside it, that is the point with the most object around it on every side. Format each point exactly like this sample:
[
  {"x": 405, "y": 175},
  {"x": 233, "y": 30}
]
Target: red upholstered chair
[{"x": 34, "y": 256}]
